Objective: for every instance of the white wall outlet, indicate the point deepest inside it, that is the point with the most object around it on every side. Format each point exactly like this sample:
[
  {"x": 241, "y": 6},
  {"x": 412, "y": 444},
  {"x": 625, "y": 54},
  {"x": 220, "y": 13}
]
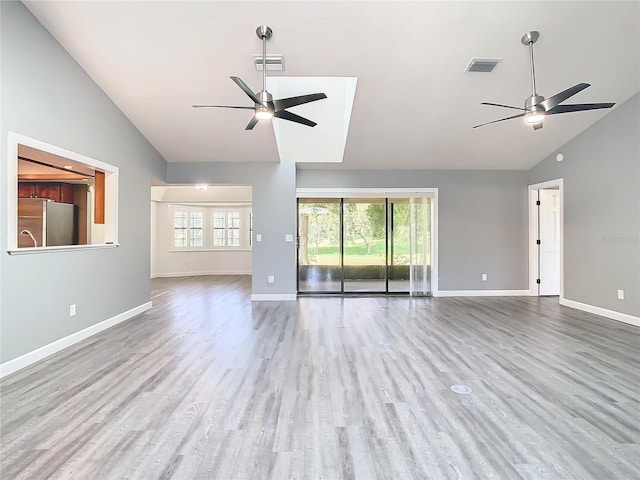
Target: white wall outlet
[
  {"x": 258, "y": 237},
  {"x": 271, "y": 279},
  {"x": 620, "y": 294},
  {"x": 72, "y": 310},
  {"x": 288, "y": 237},
  {"x": 484, "y": 277}
]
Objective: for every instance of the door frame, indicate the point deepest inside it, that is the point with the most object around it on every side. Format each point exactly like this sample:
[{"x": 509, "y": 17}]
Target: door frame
[
  {"x": 533, "y": 233},
  {"x": 386, "y": 193}
]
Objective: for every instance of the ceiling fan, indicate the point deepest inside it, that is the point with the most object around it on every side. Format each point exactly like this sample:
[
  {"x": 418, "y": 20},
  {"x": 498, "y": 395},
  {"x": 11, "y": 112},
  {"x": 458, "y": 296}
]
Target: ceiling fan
[
  {"x": 265, "y": 106},
  {"x": 535, "y": 106}
]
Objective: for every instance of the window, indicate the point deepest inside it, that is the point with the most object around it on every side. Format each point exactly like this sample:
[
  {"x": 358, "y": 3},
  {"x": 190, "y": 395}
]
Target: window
[
  {"x": 188, "y": 229},
  {"x": 233, "y": 229},
  {"x": 180, "y": 229},
  {"x": 195, "y": 232},
  {"x": 250, "y": 229},
  {"x": 218, "y": 229},
  {"x": 226, "y": 229},
  {"x": 211, "y": 227}
]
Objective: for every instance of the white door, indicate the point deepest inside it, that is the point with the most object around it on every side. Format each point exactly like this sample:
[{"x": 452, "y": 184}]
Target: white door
[{"x": 549, "y": 235}]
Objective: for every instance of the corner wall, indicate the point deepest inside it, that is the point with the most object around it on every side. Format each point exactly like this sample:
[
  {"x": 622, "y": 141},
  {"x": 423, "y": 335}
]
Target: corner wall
[
  {"x": 601, "y": 171},
  {"x": 45, "y": 95},
  {"x": 274, "y": 216}
]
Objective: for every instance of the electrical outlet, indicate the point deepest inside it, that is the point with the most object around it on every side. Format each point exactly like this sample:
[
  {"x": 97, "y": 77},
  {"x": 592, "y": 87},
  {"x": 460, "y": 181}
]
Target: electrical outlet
[
  {"x": 72, "y": 310},
  {"x": 271, "y": 279},
  {"x": 620, "y": 294},
  {"x": 484, "y": 277}
]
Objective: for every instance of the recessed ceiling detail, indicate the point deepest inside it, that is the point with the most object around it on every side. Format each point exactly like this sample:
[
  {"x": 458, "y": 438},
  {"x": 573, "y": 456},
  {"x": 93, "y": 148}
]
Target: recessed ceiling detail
[
  {"x": 326, "y": 142},
  {"x": 485, "y": 65}
]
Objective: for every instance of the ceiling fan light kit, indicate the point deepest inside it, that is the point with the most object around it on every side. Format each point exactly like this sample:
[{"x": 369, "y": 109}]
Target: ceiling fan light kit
[
  {"x": 536, "y": 107},
  {"x": 265, "y": 107}
]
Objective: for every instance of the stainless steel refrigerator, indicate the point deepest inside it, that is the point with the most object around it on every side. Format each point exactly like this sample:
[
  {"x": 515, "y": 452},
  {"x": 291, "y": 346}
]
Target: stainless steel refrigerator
[{"x": 43, "y": 223}]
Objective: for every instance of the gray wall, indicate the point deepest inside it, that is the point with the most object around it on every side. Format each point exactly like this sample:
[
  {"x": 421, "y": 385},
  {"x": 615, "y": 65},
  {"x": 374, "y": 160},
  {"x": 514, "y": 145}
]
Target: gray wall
[
  {"x": 482, "y": 220},
  {"x": 47, "y": 96},
  {"x": 274, "y": 214},
  {"x": 601, "y": 171}
]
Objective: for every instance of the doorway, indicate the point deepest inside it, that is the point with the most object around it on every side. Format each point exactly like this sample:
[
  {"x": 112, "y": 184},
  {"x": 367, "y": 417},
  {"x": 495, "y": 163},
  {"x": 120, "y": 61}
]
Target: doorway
[
  {"x": 546, "y": 238},
  {"x": 365, "y": 245}
]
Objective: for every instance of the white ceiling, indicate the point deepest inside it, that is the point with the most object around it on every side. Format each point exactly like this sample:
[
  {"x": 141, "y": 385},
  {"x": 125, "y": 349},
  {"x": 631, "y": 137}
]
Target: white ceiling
[{"x": 414, "y": 105}]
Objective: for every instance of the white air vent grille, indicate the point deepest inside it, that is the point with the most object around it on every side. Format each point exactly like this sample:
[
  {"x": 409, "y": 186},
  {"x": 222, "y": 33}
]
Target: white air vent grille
[
  {"x": 485, "y": 65},
  {"x": 275, "y": 62}
]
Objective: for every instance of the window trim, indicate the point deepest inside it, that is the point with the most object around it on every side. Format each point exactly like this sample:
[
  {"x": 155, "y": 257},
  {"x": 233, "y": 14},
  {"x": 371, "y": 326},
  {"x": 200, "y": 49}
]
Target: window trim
[
  {"x": 110, "y": 203},
  {"x": 208, "y": 230}
]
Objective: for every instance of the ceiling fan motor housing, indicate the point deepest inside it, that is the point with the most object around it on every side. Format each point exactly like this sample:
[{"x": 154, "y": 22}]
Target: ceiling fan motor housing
[{"x": 532, "y": 104}]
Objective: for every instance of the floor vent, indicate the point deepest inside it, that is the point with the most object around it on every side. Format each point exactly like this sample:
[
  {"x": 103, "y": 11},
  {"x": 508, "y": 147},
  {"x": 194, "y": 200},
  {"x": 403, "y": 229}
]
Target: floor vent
[{"x": 461, "y": 389}]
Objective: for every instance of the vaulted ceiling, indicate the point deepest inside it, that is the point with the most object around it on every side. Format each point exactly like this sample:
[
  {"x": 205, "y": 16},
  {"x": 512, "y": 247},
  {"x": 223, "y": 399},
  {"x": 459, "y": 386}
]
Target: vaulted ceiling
[{"x": 414, "y": 104}]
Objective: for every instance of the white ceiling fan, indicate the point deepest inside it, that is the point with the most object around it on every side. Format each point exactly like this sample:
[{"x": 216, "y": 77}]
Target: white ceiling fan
[{"x": 265, "y": 107}]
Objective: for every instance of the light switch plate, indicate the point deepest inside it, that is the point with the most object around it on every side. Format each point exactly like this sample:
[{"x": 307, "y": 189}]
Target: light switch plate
[
  {"x": 258, "y": 237},
  {"x": 288, "y": 237}
]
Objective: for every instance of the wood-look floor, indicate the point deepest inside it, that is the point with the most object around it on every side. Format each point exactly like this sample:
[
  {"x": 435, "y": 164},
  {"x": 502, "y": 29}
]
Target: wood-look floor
[{"x": 207, "y": 385}]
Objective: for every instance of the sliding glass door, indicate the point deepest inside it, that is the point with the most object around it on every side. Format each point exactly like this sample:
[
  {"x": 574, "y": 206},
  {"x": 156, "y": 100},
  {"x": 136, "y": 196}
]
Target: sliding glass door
[
  {"x": 319, "y": 246},
  {"x": 419, "y": 246},
  {"x": 364, "y": 245},
  {"x": 398, "y": 257}
]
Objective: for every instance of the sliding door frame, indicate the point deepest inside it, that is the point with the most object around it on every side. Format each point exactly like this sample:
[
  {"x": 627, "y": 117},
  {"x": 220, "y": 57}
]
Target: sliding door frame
[{"x": 338, "y": 193}]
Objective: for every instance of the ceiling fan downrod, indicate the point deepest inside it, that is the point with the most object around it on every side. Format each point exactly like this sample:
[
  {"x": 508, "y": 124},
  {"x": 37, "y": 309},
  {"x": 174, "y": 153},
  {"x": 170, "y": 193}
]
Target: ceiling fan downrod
[
  {"x": 532, "y": 104},
  {"x": 264, "y": 110},
  {"x": 264, "y": 33},
  {"x": 529, "y": 39}
]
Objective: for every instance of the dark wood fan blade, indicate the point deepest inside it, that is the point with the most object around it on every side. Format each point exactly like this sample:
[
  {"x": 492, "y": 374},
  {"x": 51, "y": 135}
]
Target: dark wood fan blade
[
  {"x": 292, "y": 117},
  {"x": 538, "y": 126},
  {"x": 501, "y": 120},
  {"x": 578, "y": 107},
  {"x": 245, "y": 88},
  {"x": 558, "y": 98},
  {"x": 505, "y": 106},
  {"x": 222, "y": 106},
  {"x": 283, "y": 103},
  {"x": 251, "y": 124}
]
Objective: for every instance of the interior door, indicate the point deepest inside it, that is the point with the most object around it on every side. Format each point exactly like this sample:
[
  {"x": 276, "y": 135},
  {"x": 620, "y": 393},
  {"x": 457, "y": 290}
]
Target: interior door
[{"x": 549, "y": 235}]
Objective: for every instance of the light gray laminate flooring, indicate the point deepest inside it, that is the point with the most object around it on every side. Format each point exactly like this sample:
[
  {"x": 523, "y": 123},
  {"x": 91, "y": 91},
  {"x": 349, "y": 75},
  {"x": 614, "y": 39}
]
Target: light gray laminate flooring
[{"x": 208, "y": 385}]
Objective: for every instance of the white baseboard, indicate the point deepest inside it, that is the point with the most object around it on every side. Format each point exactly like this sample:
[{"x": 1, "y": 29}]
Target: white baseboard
[
  {"x": 38, "y": 354},
  {"x": 482, "y": 293},
  {"x": 603, "y": 312},
  {"x": 196, "y": 274},
  {"x": 273, "y": 296}
]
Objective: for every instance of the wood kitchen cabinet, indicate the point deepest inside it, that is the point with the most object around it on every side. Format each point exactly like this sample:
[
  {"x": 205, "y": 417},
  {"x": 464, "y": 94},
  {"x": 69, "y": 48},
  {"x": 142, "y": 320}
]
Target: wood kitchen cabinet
[
  {"x": 26, "y": 190},
  {"x": 57, "y": 192}
]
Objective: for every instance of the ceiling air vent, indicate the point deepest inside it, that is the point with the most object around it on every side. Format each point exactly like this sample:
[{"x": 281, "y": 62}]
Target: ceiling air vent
[
  {"x": 485, "y": 65},
  {"x": 275, "y": 62}
]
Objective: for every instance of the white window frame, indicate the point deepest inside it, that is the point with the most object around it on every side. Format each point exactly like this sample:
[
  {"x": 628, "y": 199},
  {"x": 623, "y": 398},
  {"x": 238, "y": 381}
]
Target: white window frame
[
  {"x": 172, "y": 227},
  {"x": 208, "y": 231}
]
